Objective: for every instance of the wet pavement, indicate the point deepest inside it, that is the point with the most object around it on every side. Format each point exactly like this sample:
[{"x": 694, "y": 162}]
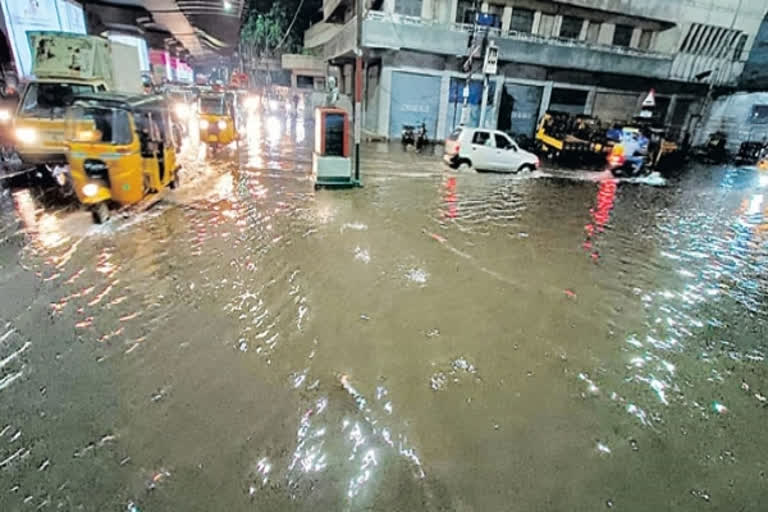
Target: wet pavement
[{"x": 434, "y": 341}]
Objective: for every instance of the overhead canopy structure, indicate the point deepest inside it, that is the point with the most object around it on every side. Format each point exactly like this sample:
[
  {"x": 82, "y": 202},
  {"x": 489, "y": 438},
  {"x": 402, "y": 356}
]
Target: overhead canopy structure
[{"x": 201, "y": 27}]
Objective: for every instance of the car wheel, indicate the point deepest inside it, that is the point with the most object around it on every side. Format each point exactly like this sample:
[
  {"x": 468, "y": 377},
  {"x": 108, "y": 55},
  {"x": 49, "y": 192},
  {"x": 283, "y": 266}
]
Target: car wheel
[
  {"x": 526, "y": 168},
  {"x": 464, "y": 164}
]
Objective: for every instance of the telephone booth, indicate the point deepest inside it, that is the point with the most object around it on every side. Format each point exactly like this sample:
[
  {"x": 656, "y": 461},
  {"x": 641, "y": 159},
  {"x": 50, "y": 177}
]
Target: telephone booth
[{"x": 331, "y": 164}]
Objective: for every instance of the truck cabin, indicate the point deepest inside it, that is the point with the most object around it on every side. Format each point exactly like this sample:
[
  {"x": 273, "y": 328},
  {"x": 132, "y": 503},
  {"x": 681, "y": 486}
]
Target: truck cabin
[{"x": 51, "y": 99}]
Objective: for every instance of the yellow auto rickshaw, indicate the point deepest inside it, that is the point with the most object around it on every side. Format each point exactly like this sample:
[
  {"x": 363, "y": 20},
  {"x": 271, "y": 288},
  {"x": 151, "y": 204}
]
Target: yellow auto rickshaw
[
  {"x": 217, "y": 119},
  {"x": 121, "y": 150}
]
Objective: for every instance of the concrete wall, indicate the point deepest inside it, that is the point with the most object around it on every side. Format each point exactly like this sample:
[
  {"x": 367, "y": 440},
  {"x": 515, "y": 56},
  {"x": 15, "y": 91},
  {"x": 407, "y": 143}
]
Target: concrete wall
[
  {"x": 439, "y": 39},
  {"x": 321, "y": 33},
  {"x": 560, "y": 54}
]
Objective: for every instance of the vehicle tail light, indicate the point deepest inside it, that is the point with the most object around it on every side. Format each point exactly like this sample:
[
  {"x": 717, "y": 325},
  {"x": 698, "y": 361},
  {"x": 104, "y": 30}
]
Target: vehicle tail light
[
  {"x": 616, "y": 157},
  {"x": 538, "y": 162},
  {"x": 616, "y": 160}
]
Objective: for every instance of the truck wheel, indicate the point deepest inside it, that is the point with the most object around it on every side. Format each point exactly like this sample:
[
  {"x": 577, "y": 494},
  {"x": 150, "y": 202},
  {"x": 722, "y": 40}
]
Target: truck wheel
[{"x": 100, "y": 213}]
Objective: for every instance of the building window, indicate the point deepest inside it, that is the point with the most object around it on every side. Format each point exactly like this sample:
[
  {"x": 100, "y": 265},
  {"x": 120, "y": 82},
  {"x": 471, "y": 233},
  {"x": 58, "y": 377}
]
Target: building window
[
  {"x": 546, "y": 25},
  {"x": 759, "y": 114},
  {"x": 571, "y": 27},
  {"x": 645, "y": 40},
  {"x": 305, "y": 82},
  {"x": 740, "y": 44},
  {"x": 522, "y": 20},
  {"x": 408, "y": 7},
  {"x": 593, "y": 31},
  {"x": 465, "y": 11},
  {"x": 622, "y": 35}
]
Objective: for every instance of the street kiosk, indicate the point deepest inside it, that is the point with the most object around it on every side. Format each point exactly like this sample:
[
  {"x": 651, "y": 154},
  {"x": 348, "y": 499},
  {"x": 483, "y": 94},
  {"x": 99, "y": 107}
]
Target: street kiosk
[{"x": 331, "y": 164}]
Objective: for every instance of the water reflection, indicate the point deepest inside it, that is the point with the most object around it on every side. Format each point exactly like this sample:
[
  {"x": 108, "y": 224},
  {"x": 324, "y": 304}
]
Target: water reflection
[{"x": 406, "y": 346}]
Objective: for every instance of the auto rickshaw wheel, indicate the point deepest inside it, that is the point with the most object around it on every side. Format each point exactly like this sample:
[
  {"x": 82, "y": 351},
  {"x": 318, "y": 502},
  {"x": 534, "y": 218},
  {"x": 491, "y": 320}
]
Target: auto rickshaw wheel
[
  {"x": 100, "y": 213},
  {"x": 176, "y": 181}
]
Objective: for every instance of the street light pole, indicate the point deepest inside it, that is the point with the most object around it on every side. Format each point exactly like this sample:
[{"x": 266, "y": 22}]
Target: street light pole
[{"x": 358, "y": 83}]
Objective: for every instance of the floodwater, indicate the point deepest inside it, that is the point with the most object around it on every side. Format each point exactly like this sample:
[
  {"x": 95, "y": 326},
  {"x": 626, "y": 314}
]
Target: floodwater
[{"x": 434, "y": 341}]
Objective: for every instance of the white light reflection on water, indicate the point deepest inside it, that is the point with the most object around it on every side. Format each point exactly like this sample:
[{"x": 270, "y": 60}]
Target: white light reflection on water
[{"x": 273, "y": 128}]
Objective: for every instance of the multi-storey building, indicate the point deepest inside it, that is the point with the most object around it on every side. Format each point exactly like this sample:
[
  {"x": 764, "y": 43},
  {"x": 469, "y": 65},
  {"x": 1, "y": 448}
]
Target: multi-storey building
[{"x": 598, "y": 57}]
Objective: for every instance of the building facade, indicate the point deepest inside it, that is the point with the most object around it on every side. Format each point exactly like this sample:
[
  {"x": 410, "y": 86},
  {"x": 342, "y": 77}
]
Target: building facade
[
  {"x": 755, "y": 75},
  {"x": 596, "y": 57}
]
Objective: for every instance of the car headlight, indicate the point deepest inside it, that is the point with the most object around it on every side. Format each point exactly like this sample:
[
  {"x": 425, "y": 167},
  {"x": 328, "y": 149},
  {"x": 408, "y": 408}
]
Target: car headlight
[
  {"x": 204, "y": 124},
  {"x": 251, "y": 102},
  {"x": 90, "y": 189},
  {"x": 222, "y": 125},
  {"x": 182, "y": 110},
  {"x": 5, "y": 115},
  {"x": 26, "y": 135}
]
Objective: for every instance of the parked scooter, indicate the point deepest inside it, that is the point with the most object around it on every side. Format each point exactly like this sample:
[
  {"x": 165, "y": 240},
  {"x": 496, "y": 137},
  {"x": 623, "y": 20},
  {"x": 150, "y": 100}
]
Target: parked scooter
[
  {"x": 407, "y": 136},
  {"x": 411, "y": 136}
]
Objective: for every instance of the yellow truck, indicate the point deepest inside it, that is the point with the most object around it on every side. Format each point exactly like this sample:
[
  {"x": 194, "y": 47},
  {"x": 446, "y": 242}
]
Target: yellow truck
[{"x": 65, "y": 66}]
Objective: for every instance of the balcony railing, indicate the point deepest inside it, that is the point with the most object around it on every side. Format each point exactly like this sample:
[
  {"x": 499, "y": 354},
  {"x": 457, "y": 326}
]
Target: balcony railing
[{"x": 496, "y": 32}]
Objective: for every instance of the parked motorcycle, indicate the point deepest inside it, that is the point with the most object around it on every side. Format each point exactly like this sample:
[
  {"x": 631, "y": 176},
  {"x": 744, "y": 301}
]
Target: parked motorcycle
[{"x": 412, "y": 136}]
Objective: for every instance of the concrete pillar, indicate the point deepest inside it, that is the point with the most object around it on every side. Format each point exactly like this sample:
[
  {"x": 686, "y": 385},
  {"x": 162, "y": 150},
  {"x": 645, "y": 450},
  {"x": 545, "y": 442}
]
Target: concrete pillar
[
  {"x": 546, "y": 95},
  {"x": 670, "y": 109},
  {"x": 556, "y": 26},
  {"x": 590, "y": 105},
  {"x": 506, "y": 19},
  {"x": 483, "y": 123},
  {"x": 454, "y": 8},
  {"x": 388, "y": 6},
  {"x": 385, "y": 101},
  {"x": 634, "y": 42},
  {"x": 583, "y": 33},
  {"x": 606, "y": 33},
  {"x": 536, "y": 22},
  {"x": 442, "y": 113},
  {"x": 348, "y": 75},
  {"x": 442, "y": 10},
  {"x": 427, "y": 9}
]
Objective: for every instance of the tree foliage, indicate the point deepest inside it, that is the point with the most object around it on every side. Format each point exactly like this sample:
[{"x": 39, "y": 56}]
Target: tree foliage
[{"x": 266, "y": 23}]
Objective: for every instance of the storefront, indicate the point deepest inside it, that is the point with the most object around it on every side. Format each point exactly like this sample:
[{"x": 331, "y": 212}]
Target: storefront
[
  {"x": 474, "y": 101},
  {"x": 415, "y": 99},
  {"x": 573, "y": 101},
  {"x": 519, "y": 108}
]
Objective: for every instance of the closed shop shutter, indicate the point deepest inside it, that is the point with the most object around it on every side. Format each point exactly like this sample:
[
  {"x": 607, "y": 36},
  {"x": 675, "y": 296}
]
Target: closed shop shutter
[
  {"x": 415, "y": 98},
  {"x": 610, "y": 107}
]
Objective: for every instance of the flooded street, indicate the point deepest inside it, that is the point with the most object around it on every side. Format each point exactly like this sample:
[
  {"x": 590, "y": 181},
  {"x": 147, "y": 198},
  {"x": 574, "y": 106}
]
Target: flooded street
[{"x": 437, "y": 341}]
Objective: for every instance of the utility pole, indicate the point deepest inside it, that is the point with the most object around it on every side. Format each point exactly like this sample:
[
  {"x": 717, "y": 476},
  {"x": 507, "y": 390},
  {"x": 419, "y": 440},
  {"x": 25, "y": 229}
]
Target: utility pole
[
  {"x": 468, "y": 68},
  {"x": 359, "y": 7}
]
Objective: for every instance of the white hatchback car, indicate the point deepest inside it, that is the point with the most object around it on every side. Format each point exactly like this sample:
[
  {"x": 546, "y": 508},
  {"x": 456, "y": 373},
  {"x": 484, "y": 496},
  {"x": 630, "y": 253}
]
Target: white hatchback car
[{"x": 487, "y": 150}]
